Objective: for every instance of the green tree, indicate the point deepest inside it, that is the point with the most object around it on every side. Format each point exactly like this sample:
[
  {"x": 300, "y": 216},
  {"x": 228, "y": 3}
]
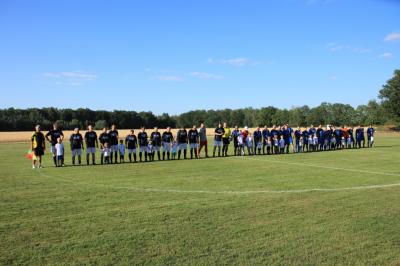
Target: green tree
[{"x": 390, "y": 95}]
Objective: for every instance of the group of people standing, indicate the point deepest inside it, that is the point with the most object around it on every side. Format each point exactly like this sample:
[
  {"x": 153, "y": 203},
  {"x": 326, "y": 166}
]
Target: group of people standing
[{"x": 166, "y": 146}]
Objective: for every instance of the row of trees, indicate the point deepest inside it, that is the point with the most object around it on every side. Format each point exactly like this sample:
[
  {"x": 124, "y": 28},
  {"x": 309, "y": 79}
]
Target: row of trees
[
  {"x": 338, "y": 114},
  {"x": 376, "y": 113}
]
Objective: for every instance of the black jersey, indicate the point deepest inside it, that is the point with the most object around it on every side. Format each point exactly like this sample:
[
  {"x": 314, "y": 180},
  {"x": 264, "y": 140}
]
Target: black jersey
[
  {"x": 167, "y": 137},
  {"x": 182, "y": 136},
  {"x": 104, "y": 138},
  {"x": 54, "y": 135},
  {"x": 193, "y": 136},
  {"x": 113, "y": 137},
  {"x": 90, "y": 139},
  {"x": 142, "y": 138},
  {"x": 155, "y": 138},
  {"x": 219, "y": 130},
  {"x": 76, "y": 141},
  {"x": 131, "y": 142}
]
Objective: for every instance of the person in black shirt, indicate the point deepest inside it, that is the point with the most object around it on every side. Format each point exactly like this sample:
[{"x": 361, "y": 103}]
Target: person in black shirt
[
  {"x": 76, "y": 142},
  {"x": 114, "y": 143},
  {"x": 91, "y": 144},
  {"x": 143, "y": 142},
  {"x": 131, "y": 144},
  {"x": 54, "y": 134},
  {"x": 104, "y": 138},
  {"x": 219, "y": 131},
  {"x": 167, "y": 138},
  {"x": 193, "y": 135},
  {"x": 182, "y": 137},
  {"x": 257, "y": 138},
  {"x": 155, "y": 138}
]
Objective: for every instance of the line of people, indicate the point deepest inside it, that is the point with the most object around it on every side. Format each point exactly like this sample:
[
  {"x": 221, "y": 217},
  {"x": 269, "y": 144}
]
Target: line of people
[{"x": 277, "y": 140}]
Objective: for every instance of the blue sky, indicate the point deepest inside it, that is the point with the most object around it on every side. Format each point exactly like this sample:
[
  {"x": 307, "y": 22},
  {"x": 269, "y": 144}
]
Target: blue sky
[{"x": 176, "y": 56}]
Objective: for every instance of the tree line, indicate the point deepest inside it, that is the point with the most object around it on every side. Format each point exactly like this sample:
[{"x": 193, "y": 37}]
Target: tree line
[{"x": 376, "y": 113}]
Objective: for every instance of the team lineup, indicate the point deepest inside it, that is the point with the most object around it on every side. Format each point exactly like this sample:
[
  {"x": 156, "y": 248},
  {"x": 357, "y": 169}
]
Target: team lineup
[{"x": 266, "y": 141}]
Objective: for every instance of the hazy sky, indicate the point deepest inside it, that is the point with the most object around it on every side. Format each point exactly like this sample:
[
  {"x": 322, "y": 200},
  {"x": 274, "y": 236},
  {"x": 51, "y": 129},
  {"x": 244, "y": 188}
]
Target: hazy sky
[{"x": 175, "y": 56}]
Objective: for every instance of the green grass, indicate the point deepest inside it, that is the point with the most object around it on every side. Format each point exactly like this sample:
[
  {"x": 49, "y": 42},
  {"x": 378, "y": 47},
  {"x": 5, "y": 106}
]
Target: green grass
[{"x": 105, "y": 215}]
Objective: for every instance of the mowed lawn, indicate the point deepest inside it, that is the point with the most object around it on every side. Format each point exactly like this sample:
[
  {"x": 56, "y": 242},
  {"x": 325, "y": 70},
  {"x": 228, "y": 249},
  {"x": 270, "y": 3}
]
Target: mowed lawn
[{"x": 246, "y": 210}]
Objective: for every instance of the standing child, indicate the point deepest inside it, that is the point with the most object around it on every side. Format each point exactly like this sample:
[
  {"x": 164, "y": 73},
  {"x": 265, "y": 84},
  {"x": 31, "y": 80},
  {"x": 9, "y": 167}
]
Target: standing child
[
  {"x": 240, "y": 144},
  {"x": 106, "y": 153},
  {"x": 249, "y": 144},
  {"x": 121, "y": 149},
  {"x": 349, "y": 142},
  {"x": 174, "y": 149},
  {"x": 268, "y": 144},
  {"x": 150, "y": 150},
  {"x": 300, "y": 145},
  {"x": 315, "y": 142},
  {"x": 59, "y": 152},
  {"x": 311, "y": 142},
  {"x": 282, "y": 145},
  {"x": 276, "y": 144}
]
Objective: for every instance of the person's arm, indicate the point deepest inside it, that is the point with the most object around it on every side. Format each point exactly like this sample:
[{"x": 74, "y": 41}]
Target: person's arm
[
  {"x": 82, "y": 143},
  {"x": 32, "y": 141},
  {"x": 70, "y": 142},
  {"x": 47, "y": 137},
  {"x": 96, "y": 141},
  {"x": 61, "y": 135}
]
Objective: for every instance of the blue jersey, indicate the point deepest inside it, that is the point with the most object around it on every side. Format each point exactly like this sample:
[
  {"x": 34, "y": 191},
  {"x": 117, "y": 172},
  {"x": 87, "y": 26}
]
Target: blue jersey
[
  {"x": 274, "y": 132},
  {"x": 370, "y": 132},
  {"x": 257, "y": 136},
  {"x": 305, "y": 136},
  {"x": 297, "y": 134},
  {"x": 338, "y": 134},
  {"x": 265, "y": 134},
  {"x": 312, "y": 131},
  {"x": 235, "y": 134}
]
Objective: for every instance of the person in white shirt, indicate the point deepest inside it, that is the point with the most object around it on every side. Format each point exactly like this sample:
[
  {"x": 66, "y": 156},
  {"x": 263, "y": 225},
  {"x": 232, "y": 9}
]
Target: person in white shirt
[
  {"x": 59, "y": 148},
  {"x": 240, "y": 144},
  {"x": 121, "y": 149},
  {"x": 106, "y": 153},
  {"x": 315, "y": 142},
  {"x": 282, "y": 145}
]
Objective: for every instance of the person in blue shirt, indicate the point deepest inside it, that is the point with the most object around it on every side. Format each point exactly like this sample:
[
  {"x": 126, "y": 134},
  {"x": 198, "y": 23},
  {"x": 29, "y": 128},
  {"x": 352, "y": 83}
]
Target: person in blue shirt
[
  {"x": 311, "y": 130},
  {"x": 297, "y": 136},
  {"x": 362, "y": 136},
  {"x": 338, "y": 136},
  {"x": 370, "y": 136},
  {"x": 257, "y": 138},
  {"x": 359, "y": 136},
  {"x": 351, "y": 133},
  {"x": 265, "y": 135},
  {"x": 289, "y": 142},
  {"x": 320, "y": 136},
  {"x": 235, "y": 133},
  {"x": 305, "y": 134}
]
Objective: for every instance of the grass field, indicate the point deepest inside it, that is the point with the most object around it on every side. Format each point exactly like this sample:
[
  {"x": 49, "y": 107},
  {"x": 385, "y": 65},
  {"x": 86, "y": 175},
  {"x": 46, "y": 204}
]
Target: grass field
[{"x": 339, "y": 207}]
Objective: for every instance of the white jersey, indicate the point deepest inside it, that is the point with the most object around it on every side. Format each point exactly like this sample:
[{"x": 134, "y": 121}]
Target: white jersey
[
  {"x": 315, "y": 141},
  {"x": 240, "y": 139},
  {"x": 121, "y": 148},
  {"x": 106, "y": 152},
  {"x": 59, "y": 149}
]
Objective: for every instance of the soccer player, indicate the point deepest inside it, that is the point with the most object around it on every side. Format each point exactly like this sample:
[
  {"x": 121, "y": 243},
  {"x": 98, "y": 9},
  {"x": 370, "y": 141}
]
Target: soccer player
[
  {"x": 257, "y": 136},
  {"x": 297, "y": 136},
  {"x": 235, "y": 135},
  {"x": 114, "y": 144},
  {"x": 182, "y": 137},
  {"x": 131, "y": 144},
  {"x": 265, "y": 135},
  {"x": 38, "y": 145},
  {"x": 91, "y": 144},
  {"x": 76, "y": 142},
  {"x": 305, "y": 134},
  {"x": 143, "y": 142},
  {"x": 320, "y": 135},
  {"x": 362, "y": 136},
  {"x": 359, "y": 136},
  {"x": 155, "y": 138},
  {"x": 193, "y": 135},
  {"x": 167, "y": 138},
  {"x": 60, "y": 152},
  {"x": 121, "y": 150},
  {"x": 219, "y": 131},
  {"x": 370, "y": 135},
  {"x": 225, "y": 140},
  {"x": 54, "y": 134},
  {"x": 338, "y": 136},
  {"x": 203, "y": 139},
  {"x": 104, "y": 139},
  {"x": 352, "y": 140}
]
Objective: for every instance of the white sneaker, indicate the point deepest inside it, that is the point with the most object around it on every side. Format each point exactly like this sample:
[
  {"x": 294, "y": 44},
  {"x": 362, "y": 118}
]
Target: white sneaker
[{"x": 33, "y": 167}]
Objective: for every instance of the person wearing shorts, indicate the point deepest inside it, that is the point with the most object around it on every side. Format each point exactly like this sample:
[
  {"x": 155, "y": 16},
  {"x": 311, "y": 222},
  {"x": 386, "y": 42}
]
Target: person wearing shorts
[
  {"x": 52, "y": 137},
  {"x": 38, "y": 145},
  {"x": 370, "y": 136},
  {"x": 143, "y": 142},
  {"x": 155, "y": 138},
  {"x": 76, "y": 142},
  {"x": 235, "y": 134},
  {"x": 218, "y": 132},
  {"x": 203, "y": 139},
  {"x": 257, "y": 138},
  {"x": 114, "y": 144},
  {"x": 182, "y": 137},
  {"x": 265, "y": 135},
  {"x": 131, "y": 144},
  {"x": 167, "y": 138},
  {"x": 226, "y": 140},
  {"x": 104, "y": 139},
  {"x": 91, "y": 144},
  {"x": 193, "y": 136}
]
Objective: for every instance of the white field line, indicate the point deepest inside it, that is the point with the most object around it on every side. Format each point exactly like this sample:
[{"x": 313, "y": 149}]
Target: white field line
[{"x": 319, "y": 166}]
